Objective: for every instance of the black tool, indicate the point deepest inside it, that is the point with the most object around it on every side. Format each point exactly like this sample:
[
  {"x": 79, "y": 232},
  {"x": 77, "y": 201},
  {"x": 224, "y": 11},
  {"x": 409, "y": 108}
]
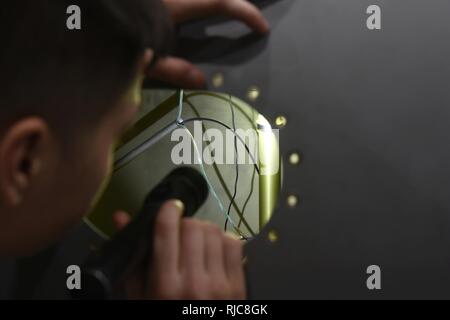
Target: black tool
[{"x": 105, "y": 269}]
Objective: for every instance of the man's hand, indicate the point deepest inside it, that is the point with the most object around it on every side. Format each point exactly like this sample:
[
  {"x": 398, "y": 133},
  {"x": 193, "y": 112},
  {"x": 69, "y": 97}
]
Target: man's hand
[
  {"x": 191, "y": 260},
  {"x": 183, "y": 73}
]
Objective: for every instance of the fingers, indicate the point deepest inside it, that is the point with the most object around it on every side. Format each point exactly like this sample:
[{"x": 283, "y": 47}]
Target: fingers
[
  {"x": 184, "y": 10},
  {"x": 234, "y": 266},
  {"x": 181, "y": 73},
  {"x": 120, "y": 219},
  {"x": 192, "y": 244},
  {"x": 211, "y": 262},
  {"x": 167, "y": 237},
  {"x": 214, "y": 251},
  {"x": 192, "y": 264},
  {"x": 193, "y": 259},
  {"x": 178, "y": 72},
  {"x": 246, "y": 12}
]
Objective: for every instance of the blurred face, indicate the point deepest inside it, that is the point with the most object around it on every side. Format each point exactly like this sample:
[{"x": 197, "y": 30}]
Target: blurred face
[{"x": 45, "y": 190}]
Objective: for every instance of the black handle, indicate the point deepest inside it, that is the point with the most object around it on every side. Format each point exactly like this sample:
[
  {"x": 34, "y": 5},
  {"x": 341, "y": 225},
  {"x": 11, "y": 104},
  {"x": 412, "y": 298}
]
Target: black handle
[{"x": 106, "y": 268}]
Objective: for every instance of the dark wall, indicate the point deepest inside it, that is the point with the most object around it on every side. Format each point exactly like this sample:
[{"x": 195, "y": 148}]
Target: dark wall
[{"x": 369, "y": 113}]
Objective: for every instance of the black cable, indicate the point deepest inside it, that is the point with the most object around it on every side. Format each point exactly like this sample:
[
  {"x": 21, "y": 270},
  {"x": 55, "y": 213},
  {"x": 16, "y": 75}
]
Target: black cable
[
  {"x": 229, "y": 128},
  {"x": 233, "y": 198},
  {"x": 248, "y": 199},
  {"x": 236, "y": 137}
]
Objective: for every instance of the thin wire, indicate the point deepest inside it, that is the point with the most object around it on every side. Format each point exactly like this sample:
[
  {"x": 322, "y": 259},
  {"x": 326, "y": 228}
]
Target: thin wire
[
  {"x": 182, "y": 123},
  {"x": 248, "y": 199},
  {"x": 139, "y": 149},
  {"x": 233, "y": 198},
  {"x": 211, "y": 188},
  {"x": 180, "y": 106},
  {"x": 133, "y": 153},
  {"x": 129, "y": 156},
  {"x": 226, "y": 126},
  {"x": 223, "y": 183}
]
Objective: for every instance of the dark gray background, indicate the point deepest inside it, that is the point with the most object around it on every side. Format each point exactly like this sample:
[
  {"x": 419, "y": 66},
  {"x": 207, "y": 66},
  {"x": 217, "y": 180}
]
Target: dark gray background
[{"x": 369, "y": 112}]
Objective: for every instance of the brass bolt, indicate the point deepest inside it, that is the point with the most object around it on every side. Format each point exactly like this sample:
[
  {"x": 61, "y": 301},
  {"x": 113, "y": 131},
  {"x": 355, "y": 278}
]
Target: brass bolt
[
  {"x": 294, "y": 158},
  {"x": 218, "y": 80},
  {"x": 292, "y": 201},
  {"x": 272, "y": 236},
  {"x": 253, "y": 93},
  {"x": 281, "y": 121}
]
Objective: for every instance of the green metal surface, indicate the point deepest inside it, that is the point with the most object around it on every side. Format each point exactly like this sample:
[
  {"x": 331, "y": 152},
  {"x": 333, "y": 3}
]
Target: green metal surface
[{"x": 256, "y": 195}]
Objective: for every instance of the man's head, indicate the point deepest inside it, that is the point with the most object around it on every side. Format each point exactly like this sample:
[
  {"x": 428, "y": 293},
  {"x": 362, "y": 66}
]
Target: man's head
[{"x": 65, "y": 97}]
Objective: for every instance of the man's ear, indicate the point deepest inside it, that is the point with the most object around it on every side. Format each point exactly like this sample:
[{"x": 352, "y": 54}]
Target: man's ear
[{"x": 21, "y": 156}]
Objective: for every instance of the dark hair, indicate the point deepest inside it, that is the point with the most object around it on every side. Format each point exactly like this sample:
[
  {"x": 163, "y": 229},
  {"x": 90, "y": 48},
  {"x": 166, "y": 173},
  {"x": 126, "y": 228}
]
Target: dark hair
[{"x": 68, "y": 76}]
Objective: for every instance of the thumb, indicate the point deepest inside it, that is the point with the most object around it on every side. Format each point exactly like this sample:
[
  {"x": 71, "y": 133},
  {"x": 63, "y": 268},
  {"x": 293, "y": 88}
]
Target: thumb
[
  {"x": 121, "y": 219},
  {"x": 178, "y": 72}
]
